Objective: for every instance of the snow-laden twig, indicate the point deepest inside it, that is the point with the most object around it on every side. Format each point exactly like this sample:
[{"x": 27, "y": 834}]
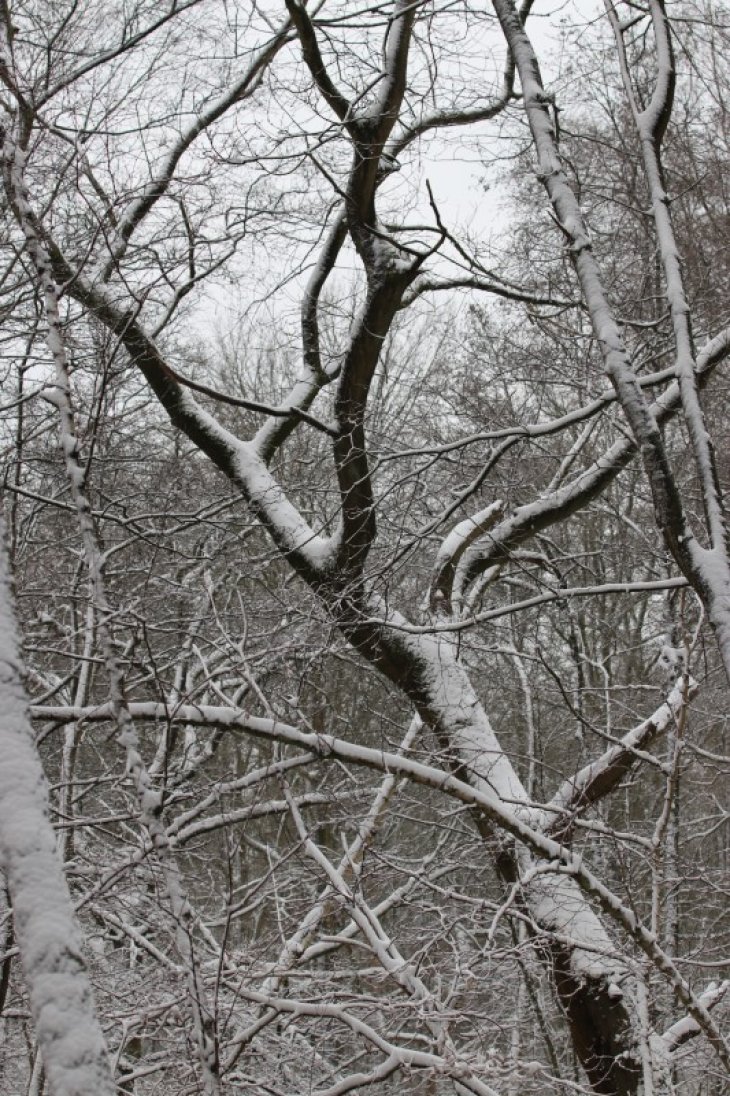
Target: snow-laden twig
[
  {"x": 296, "y": 945},
  {"x": 397, "y": 1057},
  {"x": 430, "y": 1008},
  {"x": 379, "y": 941},
  {"x": 70, "y": 742}
]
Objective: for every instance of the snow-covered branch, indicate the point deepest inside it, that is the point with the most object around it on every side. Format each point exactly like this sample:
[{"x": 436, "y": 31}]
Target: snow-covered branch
[
  {"x": 687, "y": 1028},
  {"x": 461, "y": 537},
  {"x": 240, "y": 460},
  {"x": 568, "y": 498},
  {"x": 593, "y": 782},
  {"x": 669, "y": 510}
]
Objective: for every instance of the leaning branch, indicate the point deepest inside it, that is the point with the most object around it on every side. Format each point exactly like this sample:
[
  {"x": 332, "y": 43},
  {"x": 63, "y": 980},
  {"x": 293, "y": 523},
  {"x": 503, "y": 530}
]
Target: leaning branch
[
  {"x": 528, "y": 520},
  {"x": 651, "y": 124},
  {"x": 600, "y": 777}
]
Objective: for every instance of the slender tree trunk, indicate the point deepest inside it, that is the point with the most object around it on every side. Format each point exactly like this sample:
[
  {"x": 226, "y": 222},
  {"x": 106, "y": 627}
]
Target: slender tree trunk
[{"x": 69, "y": 1035}]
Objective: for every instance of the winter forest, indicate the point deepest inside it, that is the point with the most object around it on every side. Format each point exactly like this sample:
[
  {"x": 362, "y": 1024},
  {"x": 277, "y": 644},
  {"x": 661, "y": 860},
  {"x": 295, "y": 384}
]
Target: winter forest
[{"x": 365, "y": 563}]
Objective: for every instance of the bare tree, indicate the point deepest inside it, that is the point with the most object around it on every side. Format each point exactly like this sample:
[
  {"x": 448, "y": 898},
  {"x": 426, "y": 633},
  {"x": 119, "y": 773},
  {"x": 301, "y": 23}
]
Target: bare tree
[{"x": 435, "y": 515}]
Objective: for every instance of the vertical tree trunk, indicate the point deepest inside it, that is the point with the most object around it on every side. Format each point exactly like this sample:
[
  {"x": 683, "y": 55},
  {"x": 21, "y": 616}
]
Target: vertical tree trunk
[{"x": 67, "y": 1028}]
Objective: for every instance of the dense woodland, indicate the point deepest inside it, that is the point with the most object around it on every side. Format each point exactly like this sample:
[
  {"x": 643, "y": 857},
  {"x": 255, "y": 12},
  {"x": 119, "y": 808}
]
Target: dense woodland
[{"x": 366, "y": 572}]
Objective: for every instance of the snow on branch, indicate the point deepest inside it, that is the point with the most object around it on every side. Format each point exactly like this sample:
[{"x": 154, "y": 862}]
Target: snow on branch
[
  {"x": 396, "y": 1056},
  {"x": 398, "y": 36},
  {"x": 485, "y": 285},
  {"x": 687, "y": 1028},
  {"x": 453, "y": 548},
  {"x": 597, "y": 779}
]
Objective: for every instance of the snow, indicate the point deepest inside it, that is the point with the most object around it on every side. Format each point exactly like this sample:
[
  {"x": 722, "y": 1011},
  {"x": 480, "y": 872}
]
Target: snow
[
  {"x": 457, "y": 713},
  {"x": 558, "y": 906}
]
